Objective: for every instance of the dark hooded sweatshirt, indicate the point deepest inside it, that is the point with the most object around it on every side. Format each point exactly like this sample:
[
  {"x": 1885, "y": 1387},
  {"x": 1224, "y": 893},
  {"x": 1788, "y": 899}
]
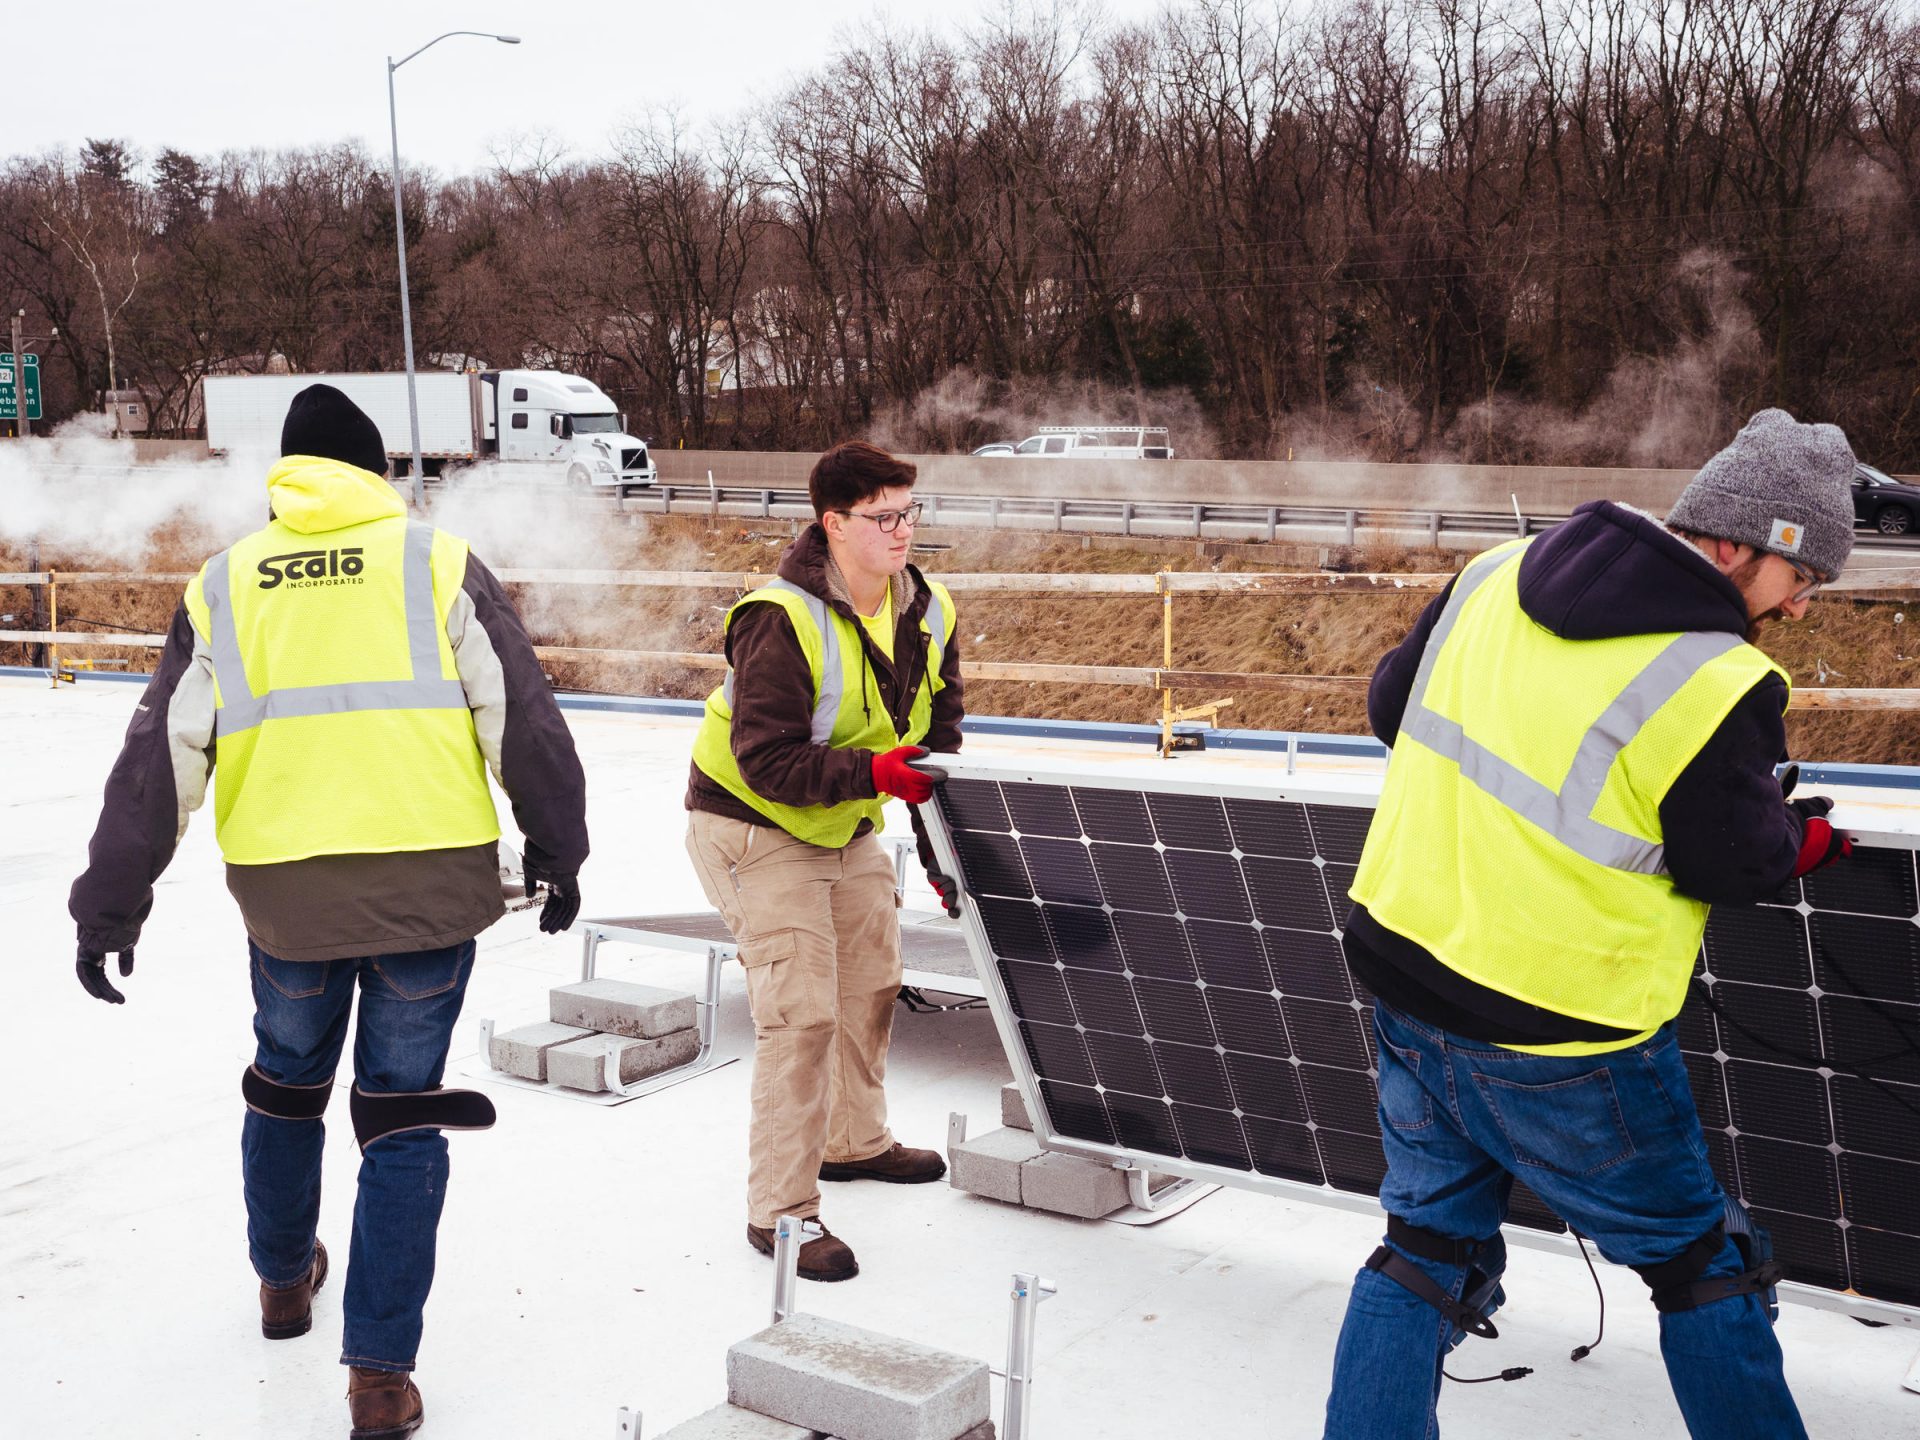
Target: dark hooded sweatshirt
[
  {"x": 1729, "y": 836},
  {"x": 772, "y": 733}
]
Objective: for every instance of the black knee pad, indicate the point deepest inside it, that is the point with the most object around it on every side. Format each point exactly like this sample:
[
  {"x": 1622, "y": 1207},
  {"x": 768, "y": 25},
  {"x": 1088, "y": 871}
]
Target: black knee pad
[
  {"x": 1472, "y": 1313},
  {"x": 284, "y": 1102},
  {"x": 1676, "y": 1283},
  {"x": 378, "y": 1115}
]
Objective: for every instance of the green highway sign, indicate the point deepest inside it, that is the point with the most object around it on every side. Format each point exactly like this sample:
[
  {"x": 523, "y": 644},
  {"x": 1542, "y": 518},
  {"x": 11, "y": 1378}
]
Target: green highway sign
[{"x": 11, "y": 377}]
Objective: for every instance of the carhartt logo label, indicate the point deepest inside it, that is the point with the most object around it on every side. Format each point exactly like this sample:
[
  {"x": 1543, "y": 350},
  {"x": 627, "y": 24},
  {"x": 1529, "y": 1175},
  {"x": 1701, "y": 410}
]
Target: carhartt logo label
[
  {"x": 1786, "y": 536},
  {"x": 313, "y": 567}
]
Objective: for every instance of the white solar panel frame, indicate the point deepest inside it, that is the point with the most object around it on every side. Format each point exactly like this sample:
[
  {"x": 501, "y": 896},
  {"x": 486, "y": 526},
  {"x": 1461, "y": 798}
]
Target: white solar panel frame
[{"x": 1232, "y": 777}]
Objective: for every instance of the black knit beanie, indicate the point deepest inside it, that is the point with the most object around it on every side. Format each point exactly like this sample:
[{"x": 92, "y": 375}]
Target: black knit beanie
[{"x": 324, "y": 422}]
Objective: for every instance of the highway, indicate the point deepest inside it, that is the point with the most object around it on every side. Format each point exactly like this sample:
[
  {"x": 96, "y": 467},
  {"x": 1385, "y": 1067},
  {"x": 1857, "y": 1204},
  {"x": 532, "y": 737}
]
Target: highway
[{"x": 1299, "y": 525}]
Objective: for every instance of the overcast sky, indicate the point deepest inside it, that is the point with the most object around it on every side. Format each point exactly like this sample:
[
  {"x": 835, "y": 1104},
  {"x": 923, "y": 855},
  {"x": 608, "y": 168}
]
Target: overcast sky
[{"x": 212, "y": 75}]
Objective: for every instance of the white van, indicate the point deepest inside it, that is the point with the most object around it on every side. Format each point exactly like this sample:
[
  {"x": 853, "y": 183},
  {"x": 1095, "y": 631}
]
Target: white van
[{"x": 1089, "y": 442}]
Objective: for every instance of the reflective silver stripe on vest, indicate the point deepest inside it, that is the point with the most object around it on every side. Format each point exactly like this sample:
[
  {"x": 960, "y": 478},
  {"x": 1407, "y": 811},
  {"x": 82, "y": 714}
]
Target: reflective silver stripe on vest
[
  {"x": 826, "y": 705},
  {"x": 1566, "y": 814},
  {"x": 242, "y": 709}
]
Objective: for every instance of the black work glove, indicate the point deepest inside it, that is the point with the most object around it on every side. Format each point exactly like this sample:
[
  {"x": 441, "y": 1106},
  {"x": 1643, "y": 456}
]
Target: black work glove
[
  {"x": 1820, "y": 844},
  {"x": 91, "y": 967},
  {"x": 563, "y": 899},
  {"x": 1811, "y": 807},
  {"x": 947, "y": 890}
]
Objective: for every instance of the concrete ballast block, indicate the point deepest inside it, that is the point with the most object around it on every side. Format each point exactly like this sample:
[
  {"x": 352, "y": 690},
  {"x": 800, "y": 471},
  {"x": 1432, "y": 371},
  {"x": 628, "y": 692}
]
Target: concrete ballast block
[
  {"x": 730, "y": 1422},
  {"x": 991, "y": 1164},
  {"x": 1070, "y": 1185},
  {"x": 620, "y": 1007},
  {"x": 523, "y": 1052},
  {"x": 856, "y": 1384},
  {"x": 580, "y": 1064},
  {"x": 1013, "y": 1108}
]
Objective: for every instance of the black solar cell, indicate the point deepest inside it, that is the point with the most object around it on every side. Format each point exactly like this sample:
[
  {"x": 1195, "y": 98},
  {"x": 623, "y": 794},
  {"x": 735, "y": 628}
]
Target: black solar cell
[
  {"x": 1760, "y": 945},
  {"x": 1339, "y": 831},
  {"x": 1133, "y": 878},
  {"x": 1229, "y": 955},
  {"x": 1283, "y": 1150},
  {"x": 1062, "y": 873},
  {"x": 1307, "y": 964},
  {"x": 1038, "y": 992},
  {"x": 1208, "y": 885},
  {"x": 974, "y": 805},
  {"x": 1143, "y": 1124},
  {"x": 1815, "y": 1249},
  {"x": 1867, "y": 955},
  {"x": 1778, "y": 1100},
  {"x": 1083, "y": 937},
  {"x": 1884, "y": 1265},
  {"x": 1872, "y": 882},
  {"x": 1213, "y": 1137},
  {"x": 1270, "y": 827},
  {"x": 1882, "y": 1193},
  {"x": 1042, "y": 810},
  {"x": 1114, "y": 815},
  {"x": 1784, "y": 1176},
  {"x": 1266, "y": 1085},
  {"x": 1016, "y": 929},
  {"x": 1881, "y": 1119},
  {"x": 1124, "y": 1062},
  {"x": 1190, "y": 822},
  {"x": 1104, "y": 1001},
  {"x": 1287, "y": 893},
  {"x": 1154, "y": 945},
  {"x": 1194, "y": 1075}
]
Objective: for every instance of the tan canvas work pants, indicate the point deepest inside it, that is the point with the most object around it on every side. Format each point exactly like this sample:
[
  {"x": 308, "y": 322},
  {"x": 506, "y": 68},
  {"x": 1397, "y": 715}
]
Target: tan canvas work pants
[{"x": 819, "y": 934}]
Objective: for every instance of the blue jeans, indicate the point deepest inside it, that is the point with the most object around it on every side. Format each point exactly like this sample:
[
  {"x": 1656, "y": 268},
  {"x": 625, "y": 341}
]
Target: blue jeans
[
  {"x": 408, "y": 1004},
  {"x": 1613, "y": 1144}
]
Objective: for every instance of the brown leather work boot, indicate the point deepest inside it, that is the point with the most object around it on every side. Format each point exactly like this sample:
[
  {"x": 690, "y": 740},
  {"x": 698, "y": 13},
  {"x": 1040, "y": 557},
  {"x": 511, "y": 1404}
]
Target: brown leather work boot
[
  {"x": 827, "y": 1258},
  {"x": 384, "y": 1404},
  {"x": 287, "y": 1313},
  {"x": 897, "y": 1166}
]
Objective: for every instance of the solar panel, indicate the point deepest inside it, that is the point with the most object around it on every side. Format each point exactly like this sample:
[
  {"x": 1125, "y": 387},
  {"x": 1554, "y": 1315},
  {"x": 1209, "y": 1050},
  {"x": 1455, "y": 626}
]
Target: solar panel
[{"x": 1160, "y": 943}]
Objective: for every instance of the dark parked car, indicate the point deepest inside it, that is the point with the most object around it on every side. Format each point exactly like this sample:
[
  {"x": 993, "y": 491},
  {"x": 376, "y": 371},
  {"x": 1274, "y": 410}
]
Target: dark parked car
[{"x": 1883, "y": 503}]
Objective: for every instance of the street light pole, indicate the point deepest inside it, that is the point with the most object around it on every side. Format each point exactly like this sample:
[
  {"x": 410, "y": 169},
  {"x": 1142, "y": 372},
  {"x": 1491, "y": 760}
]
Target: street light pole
[{"x": 400, "y": 240}]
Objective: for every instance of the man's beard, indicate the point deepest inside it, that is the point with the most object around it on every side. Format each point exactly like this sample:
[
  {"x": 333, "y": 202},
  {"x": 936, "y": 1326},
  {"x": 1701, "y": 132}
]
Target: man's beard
[{"x": 1742, "y": 578}]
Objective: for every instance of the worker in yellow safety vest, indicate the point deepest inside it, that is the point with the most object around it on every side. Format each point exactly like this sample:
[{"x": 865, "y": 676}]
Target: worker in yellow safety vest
[
  {"x": 347, "y": 677},
  {"x": 841, "y": 672},
  {"x": 1584, "y": 742}
]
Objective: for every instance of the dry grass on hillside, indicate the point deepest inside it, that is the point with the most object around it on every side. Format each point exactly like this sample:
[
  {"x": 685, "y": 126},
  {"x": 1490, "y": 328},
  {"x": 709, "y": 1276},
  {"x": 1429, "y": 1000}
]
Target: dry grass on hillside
[{"x": 1842, "y": 643}]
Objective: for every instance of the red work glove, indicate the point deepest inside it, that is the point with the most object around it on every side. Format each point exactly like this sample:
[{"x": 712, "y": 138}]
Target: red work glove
[
  {"x": 892, "y": 775},
  {"x": 1820, "y": 843},
  {"x": 947, "y": 890}
]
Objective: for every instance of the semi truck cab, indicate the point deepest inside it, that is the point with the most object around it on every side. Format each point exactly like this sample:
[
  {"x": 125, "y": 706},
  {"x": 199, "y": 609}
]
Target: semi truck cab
[{"x": 562, "y": 420}]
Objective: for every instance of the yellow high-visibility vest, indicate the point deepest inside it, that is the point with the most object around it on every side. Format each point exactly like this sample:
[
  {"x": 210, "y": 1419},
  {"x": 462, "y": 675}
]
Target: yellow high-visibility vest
[
  {"x": 848, "y": 713},
  {"x": 1518, "y": 835},
  {"x": 342, "y": 726}
]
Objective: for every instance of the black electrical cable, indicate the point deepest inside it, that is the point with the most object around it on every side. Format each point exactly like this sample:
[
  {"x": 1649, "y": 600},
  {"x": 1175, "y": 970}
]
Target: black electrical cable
[
  {"x": 1580, "y": 1352},
  {"x": 916, "y": 1001}
]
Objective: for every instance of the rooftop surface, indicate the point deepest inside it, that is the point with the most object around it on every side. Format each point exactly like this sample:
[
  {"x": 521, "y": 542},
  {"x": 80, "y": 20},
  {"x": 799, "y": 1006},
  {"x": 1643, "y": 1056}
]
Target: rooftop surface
[{"x": 592, "y": 1257}]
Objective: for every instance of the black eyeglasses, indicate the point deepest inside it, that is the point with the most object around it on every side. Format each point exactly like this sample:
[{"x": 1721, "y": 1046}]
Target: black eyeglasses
[
  {"x": 1811, "y": 579},
  {"x": 889, "y": 520}
]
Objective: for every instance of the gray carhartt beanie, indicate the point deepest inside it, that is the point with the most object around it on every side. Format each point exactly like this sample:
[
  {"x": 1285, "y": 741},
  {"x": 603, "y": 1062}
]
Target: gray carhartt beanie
[{"x": 1780, "y": 486}]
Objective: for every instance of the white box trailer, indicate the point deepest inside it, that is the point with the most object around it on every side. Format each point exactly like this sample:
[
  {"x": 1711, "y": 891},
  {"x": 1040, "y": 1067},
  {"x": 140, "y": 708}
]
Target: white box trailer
[{"x": 557, "y": 425}]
